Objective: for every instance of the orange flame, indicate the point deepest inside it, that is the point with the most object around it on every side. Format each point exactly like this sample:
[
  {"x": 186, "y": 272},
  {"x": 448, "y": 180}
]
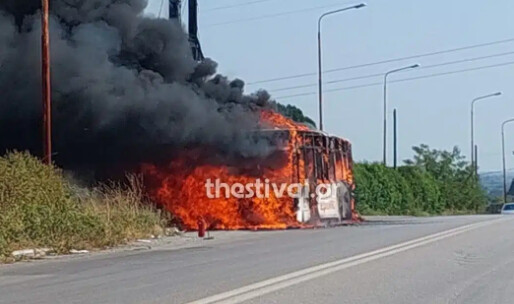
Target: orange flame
[
  {"x": 279, "y": 121},
  {"x": 181, "y": 187}
]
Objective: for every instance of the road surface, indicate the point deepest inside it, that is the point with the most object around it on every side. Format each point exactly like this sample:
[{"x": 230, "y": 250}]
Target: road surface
[{"x": 466, "y": 259}]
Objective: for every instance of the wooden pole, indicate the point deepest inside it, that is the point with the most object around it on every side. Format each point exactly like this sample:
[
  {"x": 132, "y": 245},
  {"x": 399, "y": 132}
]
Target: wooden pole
[{"x": 46, "y": 85}]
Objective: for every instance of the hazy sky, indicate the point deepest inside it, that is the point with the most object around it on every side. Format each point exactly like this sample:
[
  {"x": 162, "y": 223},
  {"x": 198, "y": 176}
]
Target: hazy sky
[{"x": 266, "y": 39}]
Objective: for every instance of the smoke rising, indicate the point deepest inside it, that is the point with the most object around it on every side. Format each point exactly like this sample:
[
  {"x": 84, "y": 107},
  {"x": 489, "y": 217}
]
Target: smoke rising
[{"x": 122, "y": 84}]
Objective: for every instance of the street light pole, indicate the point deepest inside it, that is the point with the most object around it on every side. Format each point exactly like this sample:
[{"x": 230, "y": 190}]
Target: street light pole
[
  {"x": 46, "y": 86},
  {"x": 385, "y": 107},
  {"x": 320, "y": 68},
  {"x": 503, "y": 156},
  {"x": 473, "y": 157}
]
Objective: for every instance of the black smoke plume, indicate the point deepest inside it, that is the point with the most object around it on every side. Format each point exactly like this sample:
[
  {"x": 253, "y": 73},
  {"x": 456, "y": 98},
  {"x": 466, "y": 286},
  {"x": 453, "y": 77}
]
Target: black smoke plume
[{"x": 123, "y": 85}]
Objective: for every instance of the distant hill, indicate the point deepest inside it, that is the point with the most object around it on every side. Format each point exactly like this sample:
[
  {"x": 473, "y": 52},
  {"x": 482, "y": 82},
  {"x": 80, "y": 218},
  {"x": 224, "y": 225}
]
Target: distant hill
[{"x": 493, "y": 181}]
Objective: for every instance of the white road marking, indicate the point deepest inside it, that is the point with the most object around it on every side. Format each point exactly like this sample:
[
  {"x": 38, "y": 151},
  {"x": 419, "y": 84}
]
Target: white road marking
[{"x": 270, "y": 285}]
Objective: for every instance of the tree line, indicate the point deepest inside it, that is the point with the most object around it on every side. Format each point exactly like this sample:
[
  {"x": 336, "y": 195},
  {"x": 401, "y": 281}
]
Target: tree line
[{"x": 433, "y": 182}]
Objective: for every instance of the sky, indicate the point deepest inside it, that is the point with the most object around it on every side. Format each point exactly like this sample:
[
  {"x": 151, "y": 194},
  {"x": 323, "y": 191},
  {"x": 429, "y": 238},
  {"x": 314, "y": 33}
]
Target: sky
[{"x": 261, "y": 40}]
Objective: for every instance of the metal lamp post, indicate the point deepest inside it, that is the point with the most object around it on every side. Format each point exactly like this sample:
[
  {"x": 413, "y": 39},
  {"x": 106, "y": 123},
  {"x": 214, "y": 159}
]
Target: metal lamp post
[
  {"x": 320, "y": 68},
  {"x": 473, "y": 157},
  {"x": 385, "y": 106},
  {"x": 503, "y": 156}
]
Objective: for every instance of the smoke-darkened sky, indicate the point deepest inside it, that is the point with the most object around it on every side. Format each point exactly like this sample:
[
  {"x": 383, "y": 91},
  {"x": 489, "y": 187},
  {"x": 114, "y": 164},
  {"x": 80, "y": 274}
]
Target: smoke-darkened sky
[
  {"x": 275, "y": 38},
  {"x": 119, "y": 80}
]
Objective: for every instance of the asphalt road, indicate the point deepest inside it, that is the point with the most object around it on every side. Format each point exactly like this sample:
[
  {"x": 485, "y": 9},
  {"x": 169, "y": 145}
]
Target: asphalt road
[{"x": 392, "y": 260}]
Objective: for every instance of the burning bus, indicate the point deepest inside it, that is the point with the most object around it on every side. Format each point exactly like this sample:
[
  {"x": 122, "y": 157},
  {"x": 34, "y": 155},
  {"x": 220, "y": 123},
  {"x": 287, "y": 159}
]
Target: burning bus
[
  {"x": 143, "y": 97},
  {"x": 301, "y": 157}
]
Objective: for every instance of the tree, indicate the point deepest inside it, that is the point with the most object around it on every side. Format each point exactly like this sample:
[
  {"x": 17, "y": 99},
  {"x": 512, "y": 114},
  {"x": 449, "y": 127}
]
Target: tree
[{"x": 460, "y": 190}]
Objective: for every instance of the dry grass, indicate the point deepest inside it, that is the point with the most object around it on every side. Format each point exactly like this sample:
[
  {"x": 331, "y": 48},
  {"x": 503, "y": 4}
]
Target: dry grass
[
  {"x": 39, "y": 208},
  {"x": 124, "y": 210}
]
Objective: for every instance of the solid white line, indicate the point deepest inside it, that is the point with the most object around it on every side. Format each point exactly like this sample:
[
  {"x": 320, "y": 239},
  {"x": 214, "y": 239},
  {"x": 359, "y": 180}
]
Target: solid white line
[{"x": 267, "y": 286}]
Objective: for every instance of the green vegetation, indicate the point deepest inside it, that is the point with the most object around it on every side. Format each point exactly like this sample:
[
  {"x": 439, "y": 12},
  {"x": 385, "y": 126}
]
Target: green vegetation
[
  {"x": 39, "y": 208},
  {"x": 434, "y": 182}
]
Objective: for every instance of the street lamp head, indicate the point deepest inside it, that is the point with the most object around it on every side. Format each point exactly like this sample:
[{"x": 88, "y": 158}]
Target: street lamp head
[
  {"x": 403, "y": 69},
  {"x": 485, "y": 97},
  {"x": 338, "y": 11}
]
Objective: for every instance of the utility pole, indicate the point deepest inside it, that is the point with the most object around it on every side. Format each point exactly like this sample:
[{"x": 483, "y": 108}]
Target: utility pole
[
  {"x": 46, "y": 84},
  {"x": 174, "y": 9},
  {"x": 193, "y": 30},
  {"x": 395, "y": 140},
  {"x": 384, "y": 147}
]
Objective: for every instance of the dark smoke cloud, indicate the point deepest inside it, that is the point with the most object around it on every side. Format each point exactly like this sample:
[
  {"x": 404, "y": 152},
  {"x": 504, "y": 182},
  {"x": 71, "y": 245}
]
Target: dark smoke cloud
[{"x": 122, "y": 84}]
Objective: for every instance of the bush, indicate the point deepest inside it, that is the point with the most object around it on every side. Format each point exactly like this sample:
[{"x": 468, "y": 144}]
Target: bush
[
  {"x": 38, "y": 208},
  {"x": 434, "y": 182},
  {"x": 381, "y": 190},
  {"x": 425, "y": 190}
]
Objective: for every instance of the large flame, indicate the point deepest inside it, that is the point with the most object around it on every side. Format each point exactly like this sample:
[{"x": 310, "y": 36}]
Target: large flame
[
  {"x": 277, "y": 120},
  {"x": 181, "y": 187}
]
